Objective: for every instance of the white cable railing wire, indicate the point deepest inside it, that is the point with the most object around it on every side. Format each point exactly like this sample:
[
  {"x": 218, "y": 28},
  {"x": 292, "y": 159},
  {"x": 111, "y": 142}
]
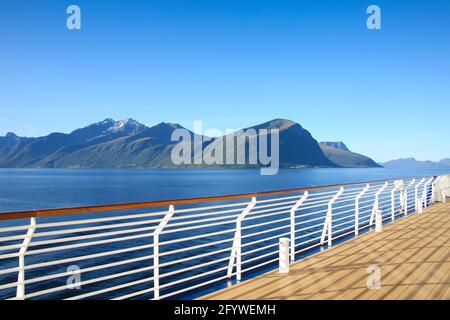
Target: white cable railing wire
[{"x": 167, "y": 252}]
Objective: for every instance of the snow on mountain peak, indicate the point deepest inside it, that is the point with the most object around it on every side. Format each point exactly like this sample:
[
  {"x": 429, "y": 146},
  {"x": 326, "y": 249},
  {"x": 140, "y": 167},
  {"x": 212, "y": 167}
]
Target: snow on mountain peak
[
  {"x": 128, "y": 125},
  {"x": 106, "y": 121}
]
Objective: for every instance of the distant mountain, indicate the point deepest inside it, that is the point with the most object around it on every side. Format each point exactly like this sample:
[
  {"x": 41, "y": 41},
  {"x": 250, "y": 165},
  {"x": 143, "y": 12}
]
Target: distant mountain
[
  {"x": 413, "y": 163},
  {"x": 338, "y": 153},
  {"x": 49, "y": 150},
  {"x": 445, "y": 162},
  {"x": 128, "y": 143}
]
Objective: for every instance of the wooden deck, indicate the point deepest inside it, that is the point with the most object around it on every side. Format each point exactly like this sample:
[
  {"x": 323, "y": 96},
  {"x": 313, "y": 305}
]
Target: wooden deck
[{"x": 412, "y": 255}]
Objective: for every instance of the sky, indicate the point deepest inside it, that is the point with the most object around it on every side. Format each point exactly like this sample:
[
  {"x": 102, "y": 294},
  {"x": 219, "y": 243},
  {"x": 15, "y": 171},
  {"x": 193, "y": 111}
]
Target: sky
[{"x": 234, "y": 64}]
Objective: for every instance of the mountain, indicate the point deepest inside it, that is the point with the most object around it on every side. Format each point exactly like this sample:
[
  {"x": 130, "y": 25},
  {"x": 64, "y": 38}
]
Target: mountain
[
  {"x": 45, "y": 151},
  {"x": 297, "y": 147},
  {"x": 336, "y": 145},
  {"x": 444, "y": 162},
  {"x": 128, "y": 143},
  {"x": 413, "y": 163},
  {"x": 338, "y": 153}
]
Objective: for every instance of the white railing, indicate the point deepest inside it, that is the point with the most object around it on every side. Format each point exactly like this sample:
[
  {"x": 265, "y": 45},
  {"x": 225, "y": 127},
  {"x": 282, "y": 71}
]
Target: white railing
[{"x": 191, "y": 245}]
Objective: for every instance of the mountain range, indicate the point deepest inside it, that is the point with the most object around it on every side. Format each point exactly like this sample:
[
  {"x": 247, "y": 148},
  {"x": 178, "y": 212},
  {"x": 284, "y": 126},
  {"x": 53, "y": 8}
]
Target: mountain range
[
  {"x": 413, "y": 163},
  {"x": 128, "y": 143}
]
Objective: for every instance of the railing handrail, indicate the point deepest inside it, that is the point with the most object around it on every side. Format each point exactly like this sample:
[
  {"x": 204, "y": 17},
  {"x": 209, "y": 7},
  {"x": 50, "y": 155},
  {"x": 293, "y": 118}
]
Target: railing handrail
[
  {"x": 159, "y": 203},
  {"x": 172, "y": 250}
]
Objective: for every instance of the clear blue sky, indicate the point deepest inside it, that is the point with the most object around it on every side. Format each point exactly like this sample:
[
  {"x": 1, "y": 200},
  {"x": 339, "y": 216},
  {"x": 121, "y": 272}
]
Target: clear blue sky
[{"x": 234, "y": 63}]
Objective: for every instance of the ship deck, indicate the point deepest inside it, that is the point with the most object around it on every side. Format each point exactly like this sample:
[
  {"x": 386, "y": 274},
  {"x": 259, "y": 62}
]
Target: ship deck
[{"x": 411, "y": 257}]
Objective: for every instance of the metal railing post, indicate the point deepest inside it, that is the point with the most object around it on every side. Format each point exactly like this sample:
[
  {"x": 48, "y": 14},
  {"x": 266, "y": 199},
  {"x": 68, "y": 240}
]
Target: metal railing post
[
  {"x": 236, "y": 252},
  {"x": 399, "y": 186},
  {"x": 406, "y": 196},
  {"x": 378, "y": 221},
  {"x": 156, "y": 234},
  {"x": 292, "y": 212},
  {"x": 433, "y": 189},
  {"x": 283, "y": 264},
  {"x": 425, "y": 192},
  {"x": 419, "y": 206},
  {"x": 393, "y": 202},
  {"x": 376, "y": 205},
  {"x": 404, "y": 201},
  {"x": 20, "y": 292},
  {"x": 328, "y": 224},
  {"x": 358, "y": 197},
  {"x": 416, "y": 194}
]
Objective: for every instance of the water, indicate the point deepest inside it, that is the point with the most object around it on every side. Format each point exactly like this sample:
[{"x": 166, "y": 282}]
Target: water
[{"x": 22, "y": 189}]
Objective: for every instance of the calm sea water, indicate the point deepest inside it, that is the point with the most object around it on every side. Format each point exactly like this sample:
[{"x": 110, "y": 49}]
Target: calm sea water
[{"x": 22, "y": 189}]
